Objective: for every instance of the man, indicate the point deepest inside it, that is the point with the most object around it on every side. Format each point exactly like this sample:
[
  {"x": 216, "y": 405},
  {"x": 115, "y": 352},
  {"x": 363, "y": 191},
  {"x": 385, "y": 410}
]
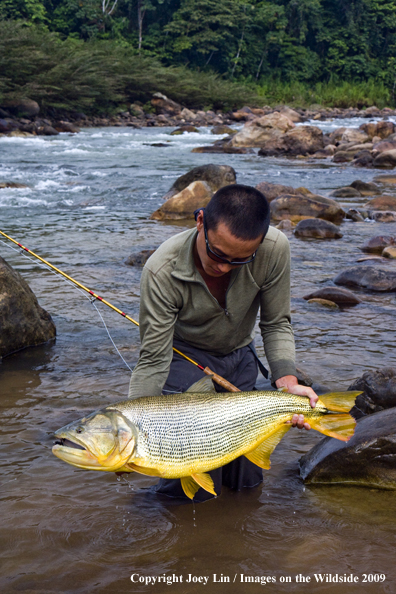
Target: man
[{"x": 201, "y": 292}]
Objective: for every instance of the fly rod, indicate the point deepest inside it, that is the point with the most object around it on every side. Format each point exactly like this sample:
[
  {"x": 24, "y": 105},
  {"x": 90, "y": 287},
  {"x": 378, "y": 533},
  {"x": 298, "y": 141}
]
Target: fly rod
[{"x": 221, "y": 381}]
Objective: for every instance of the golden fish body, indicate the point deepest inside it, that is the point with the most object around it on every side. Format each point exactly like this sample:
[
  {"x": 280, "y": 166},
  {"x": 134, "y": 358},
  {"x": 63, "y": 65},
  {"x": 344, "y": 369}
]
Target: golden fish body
[{"x": 186, "y": 435}]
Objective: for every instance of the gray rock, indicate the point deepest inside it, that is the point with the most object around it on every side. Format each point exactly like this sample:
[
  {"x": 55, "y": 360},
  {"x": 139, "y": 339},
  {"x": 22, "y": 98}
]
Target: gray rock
[
  {"x": 139, "y": 258},
  {"x": 216, "y": 176},
  {"x": 317, "y": 229},
  {"x": 365, "y": 189},
  {"x": 346, "y": 192},
  {"x": 23, "y": 322},
  {"x": 366, "y": 460},
  {"x": 335, "y": 294},
  {"x": 375, "y": 245},
  {"x": 367, "y": 277},
  {"x": 379, "y": 391}
]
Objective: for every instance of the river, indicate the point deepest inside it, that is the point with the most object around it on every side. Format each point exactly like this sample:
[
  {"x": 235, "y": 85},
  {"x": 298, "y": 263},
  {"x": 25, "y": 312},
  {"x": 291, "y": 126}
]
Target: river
[{"x": 70, "y": 531}]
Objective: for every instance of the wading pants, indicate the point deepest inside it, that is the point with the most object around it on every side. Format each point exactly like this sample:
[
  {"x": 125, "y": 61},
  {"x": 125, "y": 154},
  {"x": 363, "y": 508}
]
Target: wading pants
[{"x": 240, "y": 368}]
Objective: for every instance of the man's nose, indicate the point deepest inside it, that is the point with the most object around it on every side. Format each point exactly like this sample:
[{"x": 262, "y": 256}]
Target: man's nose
[{"x": 223, "y": 267}]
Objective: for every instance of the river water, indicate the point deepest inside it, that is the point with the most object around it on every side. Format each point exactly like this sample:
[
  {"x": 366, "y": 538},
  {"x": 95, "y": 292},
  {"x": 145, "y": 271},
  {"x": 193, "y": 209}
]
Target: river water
[{"x": 66, "y": 530}]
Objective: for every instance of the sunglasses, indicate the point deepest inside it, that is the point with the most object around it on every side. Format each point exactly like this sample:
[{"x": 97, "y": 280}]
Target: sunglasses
[{"x": 213, "y": 256}]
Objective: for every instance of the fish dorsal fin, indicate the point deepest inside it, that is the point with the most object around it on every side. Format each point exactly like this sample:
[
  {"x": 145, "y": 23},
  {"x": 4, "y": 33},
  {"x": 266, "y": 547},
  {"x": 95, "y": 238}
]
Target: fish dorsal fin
[
  {"x": 190, "y": 487},
  {"x": 205, "y": 481},
  {"x": 203, "y": 385},
  {"x": 339, "y": 401},
  {"x": 261, "y": 455},
  {"x": 340, "y": 426}
]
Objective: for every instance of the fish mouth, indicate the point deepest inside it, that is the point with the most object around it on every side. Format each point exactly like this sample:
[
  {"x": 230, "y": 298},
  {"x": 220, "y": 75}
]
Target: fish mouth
[
  {"x": 62, "y": 441},
  {"x": 75, "y": 454}
]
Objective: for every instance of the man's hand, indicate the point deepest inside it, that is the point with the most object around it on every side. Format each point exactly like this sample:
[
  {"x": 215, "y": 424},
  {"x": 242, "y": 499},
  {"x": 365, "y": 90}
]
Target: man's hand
[{"x": 293, "y": 387}]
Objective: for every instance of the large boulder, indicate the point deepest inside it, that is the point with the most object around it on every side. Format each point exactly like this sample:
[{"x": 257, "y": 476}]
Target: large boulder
[
  {"x": 23, "y": 322},
  {"x": 165, "y": 106},
  {"x": 216, "y": 176},
  {"x": 381, "y": 203},
  {"x": 183, "y": 204},
  {"x": 293, "y": 115},
  {"x": 302, "y": 140},
  {"x": 385, "y": 159},
  {"x": 378, "y": 391},
  {"x": 366, "y": 460},
  {"x": 260, "y": 131},
  {"x": 367, "y": 277},
  {"x": 298, "y": 207},
  {"x": 335, "y": 294},
  {"x": 22, "y": 108},
  {"x": 354, "y": 135},
  {"x": 317, "y": 229},
  {"x": 382, "y": 129}
]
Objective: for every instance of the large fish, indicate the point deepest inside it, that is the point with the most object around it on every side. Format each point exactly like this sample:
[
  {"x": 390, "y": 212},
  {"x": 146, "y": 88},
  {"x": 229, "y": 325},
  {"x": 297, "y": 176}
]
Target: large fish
[{"x": 186, "y": 435}]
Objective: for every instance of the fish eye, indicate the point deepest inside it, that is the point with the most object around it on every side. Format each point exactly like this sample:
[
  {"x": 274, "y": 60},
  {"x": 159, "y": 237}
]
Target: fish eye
[{"x": 79, "y": 429}]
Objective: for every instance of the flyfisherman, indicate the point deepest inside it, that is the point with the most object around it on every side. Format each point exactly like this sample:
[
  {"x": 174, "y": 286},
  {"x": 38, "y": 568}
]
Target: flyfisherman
[{"x": 201, "y": 292}]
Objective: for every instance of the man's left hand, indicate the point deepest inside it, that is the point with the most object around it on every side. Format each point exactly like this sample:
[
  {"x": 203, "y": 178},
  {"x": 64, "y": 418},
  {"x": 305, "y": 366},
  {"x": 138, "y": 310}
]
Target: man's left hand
[{"x": 293, "y": 387}]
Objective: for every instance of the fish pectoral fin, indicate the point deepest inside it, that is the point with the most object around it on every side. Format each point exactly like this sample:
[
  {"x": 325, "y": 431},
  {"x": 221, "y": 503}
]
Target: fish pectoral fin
[
  {"x": 261, "y": 455},
  {"x": 204, "y": 385},
  {"x": 339, "y": 401},
  {"x": 340, "y": 426},
  {"x": 205, "y": 481},
  {"x": 141, "y": 469},
  {"x": 190, "y": 487}
]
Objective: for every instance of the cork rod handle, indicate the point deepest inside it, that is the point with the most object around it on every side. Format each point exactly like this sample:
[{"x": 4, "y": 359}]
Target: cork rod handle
[{"x": 221, "y": 381}]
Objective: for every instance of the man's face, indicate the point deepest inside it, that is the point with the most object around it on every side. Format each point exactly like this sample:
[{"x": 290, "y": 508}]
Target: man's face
[{"x": 224, "y": 244}]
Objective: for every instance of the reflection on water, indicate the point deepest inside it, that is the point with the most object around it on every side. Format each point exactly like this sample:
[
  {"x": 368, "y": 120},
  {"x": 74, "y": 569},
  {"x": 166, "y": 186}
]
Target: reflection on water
[{"x": 70, "y": 531}]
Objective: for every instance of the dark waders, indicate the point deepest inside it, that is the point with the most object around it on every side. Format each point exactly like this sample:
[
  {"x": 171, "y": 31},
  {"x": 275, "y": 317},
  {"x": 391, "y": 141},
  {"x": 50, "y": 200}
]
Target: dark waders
[{"x": 240, "y": 368}]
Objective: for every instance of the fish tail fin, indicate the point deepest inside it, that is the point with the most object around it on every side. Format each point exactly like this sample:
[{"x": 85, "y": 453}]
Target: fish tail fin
[
  {"x": 340, "y": 426},
  {"x": 339, "y": 401},
  {"x": 191, "y": 484}
]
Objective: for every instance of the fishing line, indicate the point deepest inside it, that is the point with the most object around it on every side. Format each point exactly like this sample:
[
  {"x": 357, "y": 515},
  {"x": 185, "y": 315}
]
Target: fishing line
[{"x": 90, "y": 299}]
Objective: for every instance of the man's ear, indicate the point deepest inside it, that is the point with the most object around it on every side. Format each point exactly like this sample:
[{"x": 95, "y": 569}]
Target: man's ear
[{"x": 200, "y": 220}]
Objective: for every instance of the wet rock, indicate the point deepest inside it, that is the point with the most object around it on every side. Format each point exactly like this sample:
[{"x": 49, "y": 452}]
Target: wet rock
[
  {"x": 302, "y": 140},
  {"x": 272, "y": 191},
  {"x": 367, "y": 277},
  {"x": 389, "y": 179},
  {"x": 365, "y": 189},
  {"x": 183, "y": 204},
  {"x": 299, "y": 207},
  {"x": 12, "y": 185},
  {"x": 354, "y": 215},
  {"x": 389, "y": 252},
  {"x": 139, "y": 258},
  {"x": 285, "y": 225},
  {"x": 381, "y": 203},
  {"x": 385, "y": 159},
  {"x": 22, "y": 108},
  {"x": 386, "y": 216},
  {"x": 346, "y": 192},
  {"x": 23, "y": 322},
  {"x": 263, "y": 130},
  {"x": 223, "y": 149},
  {"x": 62, "y": 126},
  {"x": 376, "y": 244},
  {"x": 182, "y": 129},
  {"x": 336, "y": 135},
  {"x": 222, "y": 129},
  {"x": 336, "y": 295},
  {"x": 367, "y": 459},
  {"x": 324, "y": 303},
  {"x": 363, "y": 159},
  {"x": 165, "y": 106},
  {"x": 21, "y": 134},
  {"x": 7, "y": 125},
  {"x": 216, "y": 176},
  {"x": 379, "y": 391},
  {"x": 382, "y": 147},
  {"x": 46, "y": 131},
  {"x": 342, "y": 157},
  {"x": 370, "y": 128},
  {"x": 385, "y": 129},
  {"x": 317, "y": 229}
]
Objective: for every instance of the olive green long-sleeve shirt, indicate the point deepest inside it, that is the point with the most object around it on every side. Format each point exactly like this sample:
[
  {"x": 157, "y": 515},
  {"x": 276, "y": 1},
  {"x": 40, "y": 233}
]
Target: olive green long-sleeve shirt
[{"x": 176, "y": 302}]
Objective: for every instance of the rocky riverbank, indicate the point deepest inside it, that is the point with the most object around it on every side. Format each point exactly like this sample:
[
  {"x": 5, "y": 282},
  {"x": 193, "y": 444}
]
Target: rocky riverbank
[{"x": 23, "y": 118}]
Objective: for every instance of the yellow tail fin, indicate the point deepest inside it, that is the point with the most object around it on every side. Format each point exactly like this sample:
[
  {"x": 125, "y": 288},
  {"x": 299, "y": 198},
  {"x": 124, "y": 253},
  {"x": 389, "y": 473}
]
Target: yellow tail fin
[
  {"x": 339, "y": 401},
  {"x": 339, "y": 426}
]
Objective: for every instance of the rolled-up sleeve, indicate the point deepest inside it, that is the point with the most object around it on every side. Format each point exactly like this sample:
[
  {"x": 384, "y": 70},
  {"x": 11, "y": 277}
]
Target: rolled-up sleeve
[
  {"x": 275, "y": 322},
  {"x": 159, "y": 307}
]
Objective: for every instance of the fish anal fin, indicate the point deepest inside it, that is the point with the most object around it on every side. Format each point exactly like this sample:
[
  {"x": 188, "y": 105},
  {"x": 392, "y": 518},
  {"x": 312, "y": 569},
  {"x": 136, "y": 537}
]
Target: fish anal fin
[
  {"x": 339, "y": 401},
  {"x": 189, "y": 485},
  {"x": 205, "y": 385},
  {"x": 261, "y": 455},
  {"x": 205, "y": 481},
  {"x": 340, "y": 426}
]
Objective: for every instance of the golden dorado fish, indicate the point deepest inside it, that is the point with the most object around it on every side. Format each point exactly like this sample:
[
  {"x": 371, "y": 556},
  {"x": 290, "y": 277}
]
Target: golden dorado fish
[{"x": 186, "y": 435}]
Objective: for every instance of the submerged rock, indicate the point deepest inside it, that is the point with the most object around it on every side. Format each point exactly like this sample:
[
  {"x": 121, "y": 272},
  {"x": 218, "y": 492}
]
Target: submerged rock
[
  {"x": 317, "y": 229},
  {"x": 23, "y": 322},
  {"x": 335, "y": 294},
  {"x": 367, "y": 459},
  {"x": 139, "y": 258},
  {"x": 367, "y": 277},
  {"x": 216, "y": 176},
  {"x": 183, "y": 129},
  {"x": 346, "y": 192},
  {"x": 324, "y": 303}
]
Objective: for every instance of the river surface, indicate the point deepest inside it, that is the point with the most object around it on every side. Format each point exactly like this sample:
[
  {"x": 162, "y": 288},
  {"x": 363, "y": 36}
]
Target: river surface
[{"x": 64, "y": 530}]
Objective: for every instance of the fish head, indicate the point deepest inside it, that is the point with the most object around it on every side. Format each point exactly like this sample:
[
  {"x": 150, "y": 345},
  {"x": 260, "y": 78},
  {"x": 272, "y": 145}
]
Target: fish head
[{"x": 104, "y": 440}]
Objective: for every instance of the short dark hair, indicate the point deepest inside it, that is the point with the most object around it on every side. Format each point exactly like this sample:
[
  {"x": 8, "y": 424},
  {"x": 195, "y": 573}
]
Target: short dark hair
[{"x": 243, "y": 209}]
